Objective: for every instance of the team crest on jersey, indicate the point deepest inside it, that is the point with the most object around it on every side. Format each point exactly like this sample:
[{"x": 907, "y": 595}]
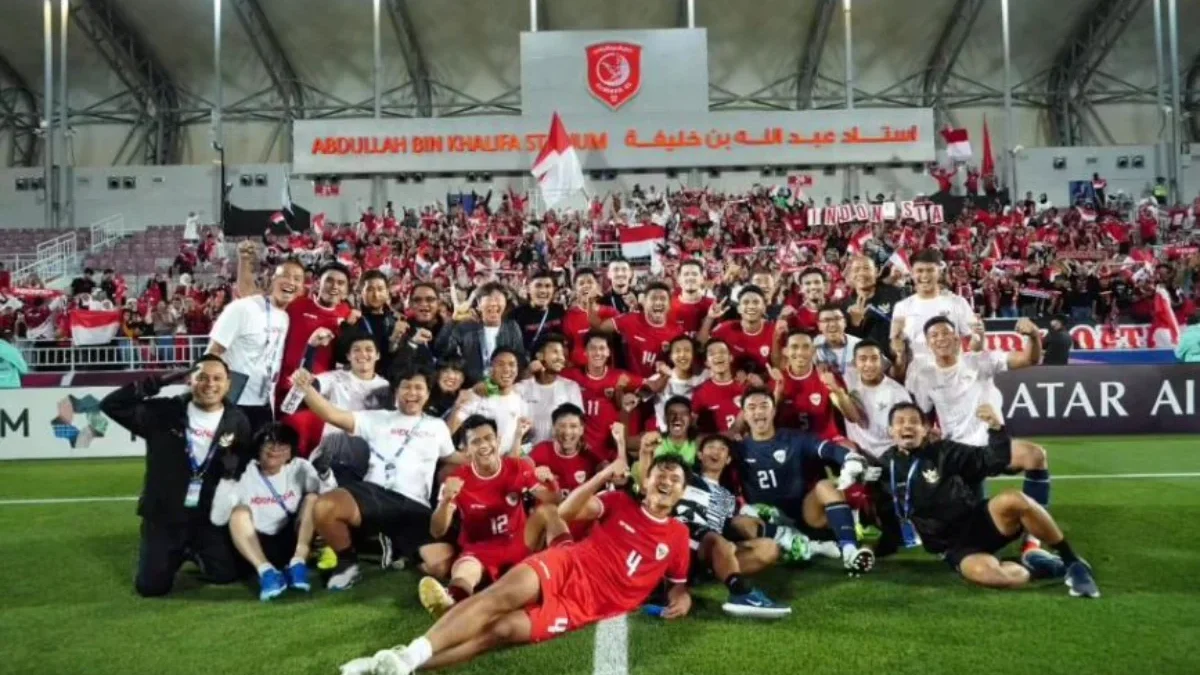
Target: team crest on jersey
[
  {"x": 580, "y": 476},
  {"x": 814, "y": 399},
  {"x": 930, "y": 476},
  {"x": 512, "y": 498},
  {"x": 885, "y": 307},
  {"x": 226, "y": 440},
  {"x": 661, "y": 551},
  {"x": 608, "y": 393},
  {"x": 765, "y": 351},
  {"x": 780, "y": 455}
]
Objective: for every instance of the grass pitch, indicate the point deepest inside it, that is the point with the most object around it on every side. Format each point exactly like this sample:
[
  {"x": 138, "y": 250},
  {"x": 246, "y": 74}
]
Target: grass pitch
[{"x": 68, "y": 606}]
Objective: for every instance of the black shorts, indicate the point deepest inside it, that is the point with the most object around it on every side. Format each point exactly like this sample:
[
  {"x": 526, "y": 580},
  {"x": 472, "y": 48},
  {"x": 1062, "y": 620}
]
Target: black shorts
[
  {"x": 977, "y": 534},
  {"x": 279, "y": 547},
  {"x": 403, "y": 520}
]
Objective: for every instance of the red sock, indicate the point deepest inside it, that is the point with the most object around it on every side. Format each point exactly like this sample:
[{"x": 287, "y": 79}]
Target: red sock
[
  {"x": 458, "y": 593},
  {"x": 564, "y": 538}
]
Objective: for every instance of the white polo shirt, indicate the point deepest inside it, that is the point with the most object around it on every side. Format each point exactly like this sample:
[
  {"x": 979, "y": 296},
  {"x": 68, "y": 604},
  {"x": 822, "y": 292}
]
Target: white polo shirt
[
  {"x": 877, "y": 402},
  {"x": 252, "y": 331},
  {"x": 413, "y": 444}
]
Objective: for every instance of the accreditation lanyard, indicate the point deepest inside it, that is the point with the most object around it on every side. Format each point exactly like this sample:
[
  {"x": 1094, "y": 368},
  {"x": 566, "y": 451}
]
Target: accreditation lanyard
[
  {"x": 389, "y": 465},
  {"x": 191, "y": 498},
  {"x": 541, "y": 325},
  {"x": 269, "y": 349},
  {"x": 275, "y": 495},
  {"x": 908, "y": 531}
]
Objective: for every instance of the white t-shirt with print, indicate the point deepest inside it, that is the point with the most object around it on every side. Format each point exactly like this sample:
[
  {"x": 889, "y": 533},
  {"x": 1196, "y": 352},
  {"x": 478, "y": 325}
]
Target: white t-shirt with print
[
  {"x": 916, "y": 311},
  {"x": 201, "y": 431},
  {"x": 504, "y": 410},
  {"x": 542, "y": 399},
  {"x": 955, "y": 393},
  {"x": 347, "y": 391},
  {"x": 252, "y": 331},
  {"x": 877, "y": 402},
  {"x": 413, "y": 444}
]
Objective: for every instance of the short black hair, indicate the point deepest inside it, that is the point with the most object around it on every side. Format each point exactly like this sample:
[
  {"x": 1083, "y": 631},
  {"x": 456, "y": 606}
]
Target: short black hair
[
  {"x": 371, "y": 275},
  {"x": 756, "y": 391},
  {"x": 491, "y": 288},
  {"x": 411, "y": 372},
  {"x": 295, "y": 262},
  {"x": 830, "y": 307},
  {"x": 595, "y": 335},
  {"x": 671, "y": 460},
  {"x": 935, "y": 321},
  {"x": 333, "y": 267},
  {"x": 930, "y": 255},
  {"x": 619, "y": 260},
  {"x": 542, "y": 273},
  {"x": 550, "y": 339},
  {"x": 751, "y": 288},
  {"x": 809, "y": 271},
  {"x": 501, "y": 351},
  {"x": 796, "y": 332},
  {"x": 677, "y": 340},
  {"x": 867, "y": 344},
  {"x": 657, "y": 286},
  {"x": 692, "y": 262},
  {"x": 905, "y": 405},
  {"x": 211, "y": 358},
  {"x": 565, "y": 410},
  {"x": 714, "y": 342},
  {"x": 584, "y": 272},
  {"x": 451, "y": 364},
  {"x": 278, "y": 433},
  {"x": 425, "y": 284},
  {"x": 678, "y": 400},
  {"x": 475, "y": 422}
]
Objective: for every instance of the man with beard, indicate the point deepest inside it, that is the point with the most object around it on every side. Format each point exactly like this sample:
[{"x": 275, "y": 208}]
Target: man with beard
[
  {"x": 488, "y": 496},
  {"x": 689, "y": 307},
  {"x": 646, "y": 334},
  {"x": 502, "y": 404},
  {"x": 928, "y": 499},
  {"x": 749, "y": 338},
  {"x": 547, "y": 390},
  {"x": 475, "y": 341},
  {"x": 249, "y": 334},
  {"x": 869, "y": 306},
  {"x": 541, "y": 316}
]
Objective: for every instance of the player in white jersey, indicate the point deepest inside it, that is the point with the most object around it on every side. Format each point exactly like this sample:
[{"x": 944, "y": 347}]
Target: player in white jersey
[
  {"x": 930, "y": 301},
  {"x": 874, "y": 393}
]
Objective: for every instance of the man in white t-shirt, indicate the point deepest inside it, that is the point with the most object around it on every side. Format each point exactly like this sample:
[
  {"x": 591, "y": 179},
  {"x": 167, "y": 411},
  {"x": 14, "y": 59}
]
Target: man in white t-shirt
[
  {"x": 249, "y": 334},
  {"x": 355, "y": 388},
  {"x": 393, "y": 498},
  {"x": 547, "y": 389},
  {"x": 501, "y": 403},
  {"x": 930, "y": 300},
  {"x": 874, "y": 393}
]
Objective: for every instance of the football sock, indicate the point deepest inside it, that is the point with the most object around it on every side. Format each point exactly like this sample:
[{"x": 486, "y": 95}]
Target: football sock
[
  {"x": 458, "y": 592},
  {"x": 737, "y": 585},
  {"x": 296, "y": 561},
  {"x": 421, "y": 650},
  {"x": 1037, "y": 486},
  {"x": 1063, "y": 549},
  {"x": 841, "y": 521},
  {"x": 262, "y": 569}
]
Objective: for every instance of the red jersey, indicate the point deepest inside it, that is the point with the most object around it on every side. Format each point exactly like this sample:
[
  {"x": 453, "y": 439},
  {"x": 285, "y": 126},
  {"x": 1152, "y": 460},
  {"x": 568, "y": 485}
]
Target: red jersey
[
  {"x": 570, "y": 471},
  {"x": 599, "y": 410},
  {"x": 717, "y": 405},
  {"x": 645, "y": 344},
  {"x": 493, "y": 508},
  {"x": 689, "y": 315},
  {"x": 575, "y": 325},
  {"x": 804, "y": 319},
  {"x": 756, "y": 346},
  {"x": 306, "y": 316},
  {"x": 806, "y": 405}
]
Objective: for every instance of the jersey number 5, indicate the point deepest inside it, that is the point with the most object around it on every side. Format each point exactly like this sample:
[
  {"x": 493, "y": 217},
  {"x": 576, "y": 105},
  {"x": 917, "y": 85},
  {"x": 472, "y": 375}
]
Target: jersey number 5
[
  {"x": 766, "y": 479},
  {"x": 633, "y": 562}
]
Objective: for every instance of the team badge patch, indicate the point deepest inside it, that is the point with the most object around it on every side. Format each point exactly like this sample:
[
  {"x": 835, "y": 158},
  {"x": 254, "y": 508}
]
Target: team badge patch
[
  {"x": 581, "y": 477},
  {"x": 226, "y": 440},
  {"x": 779, "y": 455},
  {"x": 614, "y": 72},
  {"x": 930, "y": 476},
  {"x": 512, "y": 498},
  {"x": 661, "y": 551},
  {"x": 765, "y": 351},
  {"x": 814, "y": 399}
]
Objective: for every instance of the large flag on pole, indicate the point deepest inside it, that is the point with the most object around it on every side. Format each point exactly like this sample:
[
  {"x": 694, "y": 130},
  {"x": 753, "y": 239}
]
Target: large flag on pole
[
  {"x": 958, "y": 147},
  {"x": 557, "y": 167},
  {"x": 286, "y": 197},
  {"x": 987, "y": 165}
]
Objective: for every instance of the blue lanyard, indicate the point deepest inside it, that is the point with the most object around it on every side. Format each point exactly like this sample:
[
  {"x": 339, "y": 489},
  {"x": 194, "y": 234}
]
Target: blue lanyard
[
  {"x": 541, "y": 325},
  {"x": 906, "y": 512},
  {"x": 267, "y": 338},
  {"x": 411, "y": 433},
  {"x": 198, "y": 469},
  {"x": 275, "y": 494}
]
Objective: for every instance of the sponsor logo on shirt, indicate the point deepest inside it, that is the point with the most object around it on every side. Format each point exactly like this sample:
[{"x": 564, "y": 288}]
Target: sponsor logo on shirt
[
  {"x": 288, "y": 496},
  {"x": 200, "y": 434}
]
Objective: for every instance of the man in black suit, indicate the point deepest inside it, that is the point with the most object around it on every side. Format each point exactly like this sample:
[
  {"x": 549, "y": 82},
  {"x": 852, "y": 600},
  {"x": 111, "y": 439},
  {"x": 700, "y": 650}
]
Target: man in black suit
[
  {"x": 192, "y": 441},
  {"x": 474, "y": 341}
]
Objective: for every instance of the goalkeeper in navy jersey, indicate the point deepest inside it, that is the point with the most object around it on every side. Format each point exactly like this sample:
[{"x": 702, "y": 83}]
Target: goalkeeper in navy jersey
[{"x": 772, "y": 474}]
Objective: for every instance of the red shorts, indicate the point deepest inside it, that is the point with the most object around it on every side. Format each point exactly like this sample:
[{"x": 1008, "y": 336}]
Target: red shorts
[
  {"x": 497, "y": 555},
  {"x": 568, "y": 601}
]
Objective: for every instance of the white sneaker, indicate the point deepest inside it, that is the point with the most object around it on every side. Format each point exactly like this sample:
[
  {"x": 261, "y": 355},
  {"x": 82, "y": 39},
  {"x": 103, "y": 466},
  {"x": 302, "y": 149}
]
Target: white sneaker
[
  {"x": 394, "y": 662},
  {"x": 344, "y": 579},
  {"x": 858, "y": 560},
  {"x": 825, "y": 549}
]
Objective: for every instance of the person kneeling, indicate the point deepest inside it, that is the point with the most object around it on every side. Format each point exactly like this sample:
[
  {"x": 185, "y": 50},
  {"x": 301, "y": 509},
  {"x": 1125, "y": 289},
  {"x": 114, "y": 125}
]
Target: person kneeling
[
  {"x": 270, "y": 511},
  {"x": 927, "y": 498},
  {"x": 488, "y": 494}
]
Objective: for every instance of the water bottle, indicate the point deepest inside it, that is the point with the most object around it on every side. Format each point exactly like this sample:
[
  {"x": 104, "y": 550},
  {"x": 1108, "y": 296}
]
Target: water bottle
[{"x": 291, "y": 402}]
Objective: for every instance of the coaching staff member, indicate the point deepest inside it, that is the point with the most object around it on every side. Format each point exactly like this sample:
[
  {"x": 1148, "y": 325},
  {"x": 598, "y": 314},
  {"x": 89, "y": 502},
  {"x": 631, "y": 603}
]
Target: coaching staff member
[{"x": 192, "y": 441}]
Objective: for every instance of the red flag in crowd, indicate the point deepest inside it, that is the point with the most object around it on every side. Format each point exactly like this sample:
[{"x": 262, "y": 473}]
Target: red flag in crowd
[
  {"x": 859, "y": 241},
  {"x": 1164, "y": 325},
  {"x": 318, "y": 224},
  {"x": 958, "y": 147},
  {"x": 988, "y": 163},
  {"x": 277, "y": 217},
  {"x": 899, "y": 261},
  {"x": 557, "y": 168}
]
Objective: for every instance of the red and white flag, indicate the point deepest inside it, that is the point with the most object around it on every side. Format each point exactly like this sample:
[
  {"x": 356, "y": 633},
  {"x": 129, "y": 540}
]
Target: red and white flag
[
  {"x": 958, "y": 147},
  {"x": 899, "y": 261},
  {"x": 859, "y": 241},
  {"x": 93, "y": 327},
  {"x": 557, "y": 168},
  {"x": 318, "y": 224},
  {"x": 277, "y": 217},
  {"x": 993, "y": 250},
  {"x": 1164, "y": 325},
  {"x": 641, "y": 241}
]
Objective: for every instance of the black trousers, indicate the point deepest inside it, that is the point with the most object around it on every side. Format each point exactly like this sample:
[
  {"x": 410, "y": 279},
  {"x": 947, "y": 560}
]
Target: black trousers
[
  {"x": 165, "y": 546},
  {"x": 258, "y": 415}
]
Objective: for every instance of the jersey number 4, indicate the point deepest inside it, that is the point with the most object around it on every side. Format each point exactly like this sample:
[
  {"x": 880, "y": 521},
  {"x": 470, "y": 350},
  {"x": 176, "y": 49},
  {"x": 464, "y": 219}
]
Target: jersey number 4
[
  {"x": 633, "y": 562},
  {"x": 766, "y": 479}
]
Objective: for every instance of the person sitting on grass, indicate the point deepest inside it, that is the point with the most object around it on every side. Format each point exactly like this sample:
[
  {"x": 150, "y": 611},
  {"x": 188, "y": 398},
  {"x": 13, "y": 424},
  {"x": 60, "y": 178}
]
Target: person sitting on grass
[{"x": 270, "y": 511}]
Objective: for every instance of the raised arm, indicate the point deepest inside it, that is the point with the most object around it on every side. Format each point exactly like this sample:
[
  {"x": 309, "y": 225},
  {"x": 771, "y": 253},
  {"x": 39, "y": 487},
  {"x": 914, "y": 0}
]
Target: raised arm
[
  {"x": 582, "y": 504},
  {"x": 247, "y": 260},
  {"x": 328, "y": 412},
  {"x": 128, "y": 405},
  {"x": 1031, "y": 353},
  {"x": 443, "y": 515}
]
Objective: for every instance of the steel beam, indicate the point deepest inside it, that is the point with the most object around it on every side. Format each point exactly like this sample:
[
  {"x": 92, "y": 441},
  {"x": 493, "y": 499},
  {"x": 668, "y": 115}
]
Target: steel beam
[
  {"x": 18, "y": 114},
  {"x": 1192, "y": 102},
  {"x": 1085, "y": 49},
  {"x": 414, "y": 56},
  {"x": 270, "y": 51},
  {"x": 945, "y": 53},
  {"x": 814, "y": 45},
  {"x": 141, "y": 71}
]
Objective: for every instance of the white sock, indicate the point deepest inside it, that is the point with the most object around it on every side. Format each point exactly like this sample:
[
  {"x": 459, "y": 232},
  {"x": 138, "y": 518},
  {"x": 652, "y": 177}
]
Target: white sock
[
  {"x": 421, "y": 650},
  {"x": 263, "y": 568},
  {"x": 296, "y": 561}
]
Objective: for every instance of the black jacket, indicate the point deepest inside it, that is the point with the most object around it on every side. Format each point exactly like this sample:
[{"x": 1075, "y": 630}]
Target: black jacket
[
  {"x": 943, "y": 492},
  {"x": 465, "y": 341},
  {"x": 538, "y": 322},
  {"x": 163, "y": 423},
  {"x": 877, "y": 323}
]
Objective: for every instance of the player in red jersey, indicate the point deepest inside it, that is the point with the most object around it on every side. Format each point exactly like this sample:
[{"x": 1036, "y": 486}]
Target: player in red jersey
[
  {"x": 646, "y": 334},
  {"x": 691, "y": 305},
  {"x": 632, "y": 548},
  {"x": 561, "y": 463},
  {"x": 749, "y": 338},
  {"x": 717, "y": 401},
  {"x": 814, "y": 288},
  {"x": 488, "y": 494},
  {"x": 308, "y": 314},
  {"x": 576, "y": 322},
  {"x": 810, "y": 397},
  {"x": 602, "y": 387}
]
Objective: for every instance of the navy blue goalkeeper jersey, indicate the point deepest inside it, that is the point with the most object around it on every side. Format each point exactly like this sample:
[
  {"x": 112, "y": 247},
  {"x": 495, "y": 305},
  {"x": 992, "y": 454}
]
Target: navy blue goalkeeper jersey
[{"x": 773, "y": 470}]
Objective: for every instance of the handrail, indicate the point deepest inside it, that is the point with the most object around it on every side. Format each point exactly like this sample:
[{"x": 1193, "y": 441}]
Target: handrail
[{"x": 146, "y": 353}]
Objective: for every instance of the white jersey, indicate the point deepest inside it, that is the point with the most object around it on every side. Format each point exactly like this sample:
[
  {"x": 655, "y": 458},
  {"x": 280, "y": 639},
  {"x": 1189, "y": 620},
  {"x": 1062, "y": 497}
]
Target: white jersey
[
  {"x": 840, "y": 359},
  {"x": 877, "y": 402},
  {"x": 410, "y": 445},
  {"x": 955, "y": 393},
  {"x": 916, "y": 311},
  {"x": 347, "y": 391},
  {"x": 675, "y": 387},
  {"x": 252, "y": 331},
  {"x": 503, "y": 410},
  {"x": 291, "y": 484},
  {"x": 542, "y": 399}
]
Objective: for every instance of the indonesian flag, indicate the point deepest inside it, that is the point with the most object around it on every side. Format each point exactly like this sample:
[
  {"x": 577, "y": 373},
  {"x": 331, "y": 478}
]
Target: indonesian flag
[
  {"x": 957, "y": 145},
  {"x": 93, "y": 327},
  {"x": 557, "y": 167},
  {"x": 318, "y": 224},
  {"x": 277, "y": 218},
  {"x": 855, "y": 247},
  {"x": 1164, "y": 326},
  {"x": 993, "y": 250},
  {"x": 899, "y": 261},
  {"x": 641, "y": 241}
]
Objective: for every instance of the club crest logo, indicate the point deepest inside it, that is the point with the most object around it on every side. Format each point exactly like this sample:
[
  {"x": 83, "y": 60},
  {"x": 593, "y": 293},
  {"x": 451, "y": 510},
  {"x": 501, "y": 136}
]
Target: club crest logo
[
  {"x": 614, "y": 72},
  {"x": 765, "y": 351},
  {"x": 780, "y": 455},
  {"x": 814, "y": 399},
  {"x": 580, "y": 477},
  {"x": 930, "y": 476},
  {"x": 661, "y": 551},
  {"x": 512, "y": 499},
  {"x": 885, "y": 308}
]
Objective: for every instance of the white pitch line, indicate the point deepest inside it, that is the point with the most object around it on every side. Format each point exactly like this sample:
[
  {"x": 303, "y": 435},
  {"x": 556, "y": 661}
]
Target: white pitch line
[
  {"x": 611, "y": 656},
  {"x": 64, "y": 500}
]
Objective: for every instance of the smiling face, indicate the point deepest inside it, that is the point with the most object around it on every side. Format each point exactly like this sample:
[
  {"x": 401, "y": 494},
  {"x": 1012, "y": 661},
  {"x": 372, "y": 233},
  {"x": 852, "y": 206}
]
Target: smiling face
[
  {"x": 907, "y": 429},
  {"x": 925, "y": 278},
  {"x": 752, "y": 307},
  {"x": 273, "y": 455},
  {"x": 718, "y": 358},
  {"x": 450, "y": 380},
  {"x": 363, "y": 356},
  {"x": 759, "y": 411},
  {"x": 691, "y": 278},
  {"x": 598, "y": 353},
  {"x": 553, "y": 357},
  {"x": 862, "y": 272},
  {"x": 504, "y": 370},
  {"x": 568, "y": 431},
  {"x": 658, "y": 301},
  {"x": 664, "y": 487},
  {"x": 491, "y": 308},
  {"x": 868, "y": 361},
  {"x": 683, "y": 354},
  {"x": 333, "y": 288},
  {"x": 424, "y": 304},
  {"x": 586, "y": 287},
  {"x": 287, "y": 284},
  {"x": 799, "y": 352},
  {"x": 412, "y": 395},
  {"x": 943, "y": 340},
  {"x": 483, "y": 446},
  {"x": 714, "y": 456},
  {"x": 814, "y": 288},
  {"x": 832, "y": 325},
  {"x": 620, "y": 274},
  {"x": 375, "y": 294},
  {"x": 679, "y": 418},
  {"x": 541, "y": 291}
]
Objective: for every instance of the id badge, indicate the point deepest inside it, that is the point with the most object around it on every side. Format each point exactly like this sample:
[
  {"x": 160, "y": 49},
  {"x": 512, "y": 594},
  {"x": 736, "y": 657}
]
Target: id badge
[
  {"x": 192, "y": 499},
  {"x": 389, "y": 472},
  {"x": 909, "y": 534}
]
